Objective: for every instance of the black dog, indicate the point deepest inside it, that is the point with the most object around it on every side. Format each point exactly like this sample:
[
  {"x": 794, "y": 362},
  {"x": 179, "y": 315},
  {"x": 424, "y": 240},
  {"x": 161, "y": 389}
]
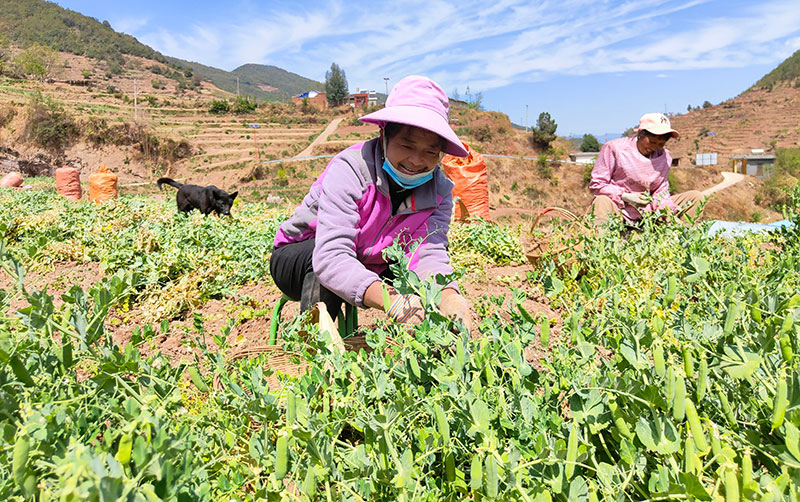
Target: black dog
[{"x": 205, "y": 199}]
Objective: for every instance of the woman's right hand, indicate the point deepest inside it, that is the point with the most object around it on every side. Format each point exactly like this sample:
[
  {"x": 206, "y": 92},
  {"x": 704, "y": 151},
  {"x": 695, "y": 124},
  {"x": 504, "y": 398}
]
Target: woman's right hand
[{"x": 407, "y": 309}]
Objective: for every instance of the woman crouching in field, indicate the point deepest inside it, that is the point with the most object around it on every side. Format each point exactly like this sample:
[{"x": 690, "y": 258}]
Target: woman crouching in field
[{"x": 330, "y": 250}]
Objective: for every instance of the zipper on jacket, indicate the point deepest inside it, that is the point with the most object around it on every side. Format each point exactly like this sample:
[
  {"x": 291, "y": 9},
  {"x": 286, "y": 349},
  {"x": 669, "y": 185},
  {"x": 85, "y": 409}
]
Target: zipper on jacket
[{"x": 377, "y": 236}]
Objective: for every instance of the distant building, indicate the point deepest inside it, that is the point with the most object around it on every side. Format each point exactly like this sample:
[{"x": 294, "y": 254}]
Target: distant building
[
  {"x": 315, "y": 98},
  {"x": 457, "y": 103},
  {"x": 759, "y": 164},
  {"x": 583, "y": 157},
  {"x": 364, "y": 97}
]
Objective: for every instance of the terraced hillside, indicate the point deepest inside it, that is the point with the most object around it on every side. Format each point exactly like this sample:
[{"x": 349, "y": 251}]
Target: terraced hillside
[{"x": 758, "y": 118}]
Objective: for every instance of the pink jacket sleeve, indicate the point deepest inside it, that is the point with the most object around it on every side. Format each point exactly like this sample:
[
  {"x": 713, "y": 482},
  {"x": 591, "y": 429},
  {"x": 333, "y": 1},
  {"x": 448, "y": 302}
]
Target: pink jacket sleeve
[{"x": 601, "y": 177}]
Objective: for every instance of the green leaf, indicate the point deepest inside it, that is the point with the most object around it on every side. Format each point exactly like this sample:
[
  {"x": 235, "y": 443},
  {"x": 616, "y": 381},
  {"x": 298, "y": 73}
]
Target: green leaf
[
  {"x": 792, "y": 439},
  {"x": 740, "y": 364},
  {"x": 692, "y": 486}
]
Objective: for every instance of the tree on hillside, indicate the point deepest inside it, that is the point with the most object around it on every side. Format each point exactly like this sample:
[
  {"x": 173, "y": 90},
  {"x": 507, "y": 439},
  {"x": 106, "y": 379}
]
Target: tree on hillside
[
  {"x": 707, "y": 104},
  {"x": 545, "y": 131},
  {"x": 4, "y": 46},
  {"x": 336, "y": 90},
  {"x": 37, "y": 61},
  {"x": 590, "y": 143}
]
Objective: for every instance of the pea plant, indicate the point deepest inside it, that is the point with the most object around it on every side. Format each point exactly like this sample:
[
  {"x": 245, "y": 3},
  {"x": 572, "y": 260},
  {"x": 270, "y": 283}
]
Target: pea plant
[{"x": 673, "y": 376}]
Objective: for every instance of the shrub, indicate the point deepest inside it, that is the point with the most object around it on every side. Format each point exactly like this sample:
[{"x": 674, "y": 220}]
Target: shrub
[
  {"x": 244, "y": 104},
  {"x": 157, "y": 84},
  {"x": 48, "y": 124},
  {"x": 7, "y": 113},
  {"x": 482, "y": 132},
  {"x": 587, "y": 174},
  {"x": 219, "y": 106}
]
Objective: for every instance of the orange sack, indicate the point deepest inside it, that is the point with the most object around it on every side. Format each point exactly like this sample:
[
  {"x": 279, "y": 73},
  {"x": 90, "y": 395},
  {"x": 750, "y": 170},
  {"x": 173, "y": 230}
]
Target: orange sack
[
  {"x": 68, "y": 182},
  {"x": 102, "y": 185},
  {"x": 11, "y": 180},
  {"x": 471, "y": 183}
]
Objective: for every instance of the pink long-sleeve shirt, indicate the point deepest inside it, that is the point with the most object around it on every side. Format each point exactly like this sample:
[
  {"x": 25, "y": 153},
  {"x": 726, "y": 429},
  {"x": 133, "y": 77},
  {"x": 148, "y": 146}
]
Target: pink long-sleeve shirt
[{"x": 621, "y": 168}]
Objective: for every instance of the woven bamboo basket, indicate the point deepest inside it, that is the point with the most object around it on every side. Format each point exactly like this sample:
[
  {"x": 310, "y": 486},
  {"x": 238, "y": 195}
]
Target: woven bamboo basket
[
  {"x": 285, "y": 363},
  {"x": 290, "y": 364},
  {"x": 542, "y": 243}
]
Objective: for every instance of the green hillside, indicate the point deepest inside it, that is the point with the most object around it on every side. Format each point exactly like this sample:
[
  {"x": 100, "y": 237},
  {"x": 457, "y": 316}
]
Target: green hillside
[
  {"x": 25, "y": 22},
  {"x": 786, "y": 72},
  {"x": 251, "y": 76}
]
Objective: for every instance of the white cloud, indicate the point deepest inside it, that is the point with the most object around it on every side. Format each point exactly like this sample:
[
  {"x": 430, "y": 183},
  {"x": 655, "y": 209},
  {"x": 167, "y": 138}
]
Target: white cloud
[
  {"x": 491, "y": 45},
  {"x": 129, "y": 25}
]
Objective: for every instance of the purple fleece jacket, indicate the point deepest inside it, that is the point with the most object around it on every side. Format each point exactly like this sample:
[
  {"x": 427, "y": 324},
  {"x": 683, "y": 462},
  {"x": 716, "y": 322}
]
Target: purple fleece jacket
[{"x": 349, "y": 211}]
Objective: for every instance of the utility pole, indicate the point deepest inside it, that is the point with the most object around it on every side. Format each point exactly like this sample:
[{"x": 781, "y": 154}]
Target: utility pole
[
  {"x": 386, "y": 81},
  {"x": 135, "y": 100},
  {"x": 237, "y": 87}
]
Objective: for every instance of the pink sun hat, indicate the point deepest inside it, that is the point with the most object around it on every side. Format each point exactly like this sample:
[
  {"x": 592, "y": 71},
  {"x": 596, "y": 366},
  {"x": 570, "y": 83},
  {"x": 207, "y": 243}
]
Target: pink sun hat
[
  {"x": 658, "y": 124},
  {"x": 420, "y": 102}
]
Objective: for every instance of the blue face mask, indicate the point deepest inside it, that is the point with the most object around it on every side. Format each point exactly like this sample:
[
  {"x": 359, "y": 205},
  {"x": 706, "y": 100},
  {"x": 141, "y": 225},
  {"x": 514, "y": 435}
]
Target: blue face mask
[{"x": 407, "y": 181}]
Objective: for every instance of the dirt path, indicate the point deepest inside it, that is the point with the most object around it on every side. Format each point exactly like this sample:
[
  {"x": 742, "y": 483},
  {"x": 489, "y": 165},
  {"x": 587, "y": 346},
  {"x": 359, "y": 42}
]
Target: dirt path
[
  {"x": 321, "y": 138},
  {"x": 728, "y": 179}
]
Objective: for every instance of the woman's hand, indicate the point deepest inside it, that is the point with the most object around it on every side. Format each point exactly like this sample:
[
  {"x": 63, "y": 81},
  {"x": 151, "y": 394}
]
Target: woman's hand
[
  {"x": 407, "y": 309},
  {"x": 635, "y": 199},
  {"x": 456, "y": 307}
]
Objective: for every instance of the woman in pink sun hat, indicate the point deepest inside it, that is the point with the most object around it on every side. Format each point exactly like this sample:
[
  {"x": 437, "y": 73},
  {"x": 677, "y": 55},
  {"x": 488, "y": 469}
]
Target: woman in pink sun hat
[
  {"x": 628, "y": 168},
  {"x": 369, "y": 195}
]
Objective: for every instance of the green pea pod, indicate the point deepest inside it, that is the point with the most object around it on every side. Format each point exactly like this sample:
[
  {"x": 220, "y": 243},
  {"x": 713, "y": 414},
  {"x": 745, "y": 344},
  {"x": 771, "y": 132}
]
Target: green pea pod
[
  {"x": 20, "y": 458},
  {"x": 291, "y": 408},
  {"x": 450, "y": 467},
  {"x": 124, "y": 449},
  {"x": 730, "y": 317},
  {"x": 619, "y": 420},
  {"x": 491, "y": 476},
  {"x": 572, "y": 451},
  {"x": 197, "y": 380},
  {"x": 544, "y": 333},
  {"x": 695, "y": 426},
  {"x": 442, "y": 424},
  {"x": 679, "y": 399},
  {"x": 688, "y": 361},
  {"x": 716, "y": 445},
  {"x": 726, "y": 408},
  {"x": 310, "y": 483},
  {"x": 419, "y": 347},
  {"x": 702, "y": 380},
  {"x": 755, "y": 311},
  {"x": 461, "y": 356},
  {"x": 658, "y": 359},
  {"x": 779, "y": 406},
  {"x": 786, "y": 348},
  {"x": 731, "y": 484},
  {"x": 20, "y": 371},
  {"x": 689, "y": 457},
  {"x": 670, "y": 390},
  {"x": 29, "y": 485},
  {"x": 281, "y": 456},
  {"x": 414, "y": 366},
  {"x": 476, "y": 472},
  {"x": 788, "y": 322},
  {"x": 747, "y": 468},
  {"x": 672, "y": 291},
  {"x": 524, "y": 313}
]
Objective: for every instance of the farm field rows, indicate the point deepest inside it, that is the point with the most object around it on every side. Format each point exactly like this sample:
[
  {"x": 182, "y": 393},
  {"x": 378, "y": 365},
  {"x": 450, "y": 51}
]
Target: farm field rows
[{"x": 659, "y": 365}]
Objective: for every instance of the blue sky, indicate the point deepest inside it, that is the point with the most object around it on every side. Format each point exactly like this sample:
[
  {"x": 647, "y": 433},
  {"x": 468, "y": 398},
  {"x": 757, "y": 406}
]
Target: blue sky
[{"x": 595, "y": 66}]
